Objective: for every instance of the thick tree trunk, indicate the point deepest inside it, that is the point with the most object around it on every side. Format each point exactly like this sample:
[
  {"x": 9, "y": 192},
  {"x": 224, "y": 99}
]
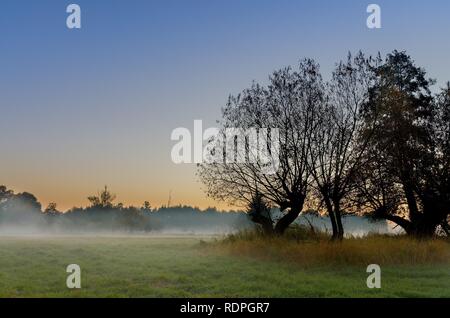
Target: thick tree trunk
[
  {"x": 425, "y": 227},
  {"x": 288, "y": 218},
  {"x": 412, "y": 203},
  {"x": 421, "y": 224},
  {"x": 435, "y": 213},
  {"x": 403, "y": 223},
  {"x": 422, "y": 228},
  {"x": 421, "y": 232}
]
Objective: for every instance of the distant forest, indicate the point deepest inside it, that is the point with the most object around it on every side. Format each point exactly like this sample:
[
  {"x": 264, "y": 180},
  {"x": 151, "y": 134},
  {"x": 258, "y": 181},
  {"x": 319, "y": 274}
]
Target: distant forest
[{"x": 22, "y": 212}]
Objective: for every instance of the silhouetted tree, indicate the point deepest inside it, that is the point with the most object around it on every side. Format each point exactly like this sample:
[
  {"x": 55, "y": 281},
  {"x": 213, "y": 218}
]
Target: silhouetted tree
[
  {"x": 5, "y": 193},
  {"x": 20, "y": 208},
  {"x": 287, "y": 104},
  {"x": 259, "y": 213},
  {"x": 147, "y": 206},
  {"x": 52, "y": 209},
  {"x": 104, "y": 199},
  {"x": 411, "y": 144},
  {"x": 337, "y": 152}
]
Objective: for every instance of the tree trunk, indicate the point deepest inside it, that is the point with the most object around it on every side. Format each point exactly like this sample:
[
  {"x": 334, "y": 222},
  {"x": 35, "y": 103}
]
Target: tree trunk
[
  {"x": 288, "y": 218},
  {"x": 403, "y": 223},
  {"x": 338, "y": 215},
  {"x": 412, "y": 203},
  {"x": 334, "y": 225},
  {"x": 420, "y": 225},
  {"x": 425, "y": 227},
  {"x": 265, "y": 223}
]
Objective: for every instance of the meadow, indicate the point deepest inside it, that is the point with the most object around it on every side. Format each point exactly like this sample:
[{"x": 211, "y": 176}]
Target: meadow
[{"x": 197, "y": 266}]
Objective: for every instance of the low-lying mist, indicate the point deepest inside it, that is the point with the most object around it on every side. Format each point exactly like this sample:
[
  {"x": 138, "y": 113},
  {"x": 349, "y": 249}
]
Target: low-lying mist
[
  {"x": 22, "y": 215},
  {"x": 123, "y": 221}
]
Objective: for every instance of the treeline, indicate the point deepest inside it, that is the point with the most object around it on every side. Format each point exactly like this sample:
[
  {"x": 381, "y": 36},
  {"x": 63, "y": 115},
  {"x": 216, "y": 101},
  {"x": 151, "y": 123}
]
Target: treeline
[
  {"x": 23, "y": 212},
  {"x": 373, "y": 140}
]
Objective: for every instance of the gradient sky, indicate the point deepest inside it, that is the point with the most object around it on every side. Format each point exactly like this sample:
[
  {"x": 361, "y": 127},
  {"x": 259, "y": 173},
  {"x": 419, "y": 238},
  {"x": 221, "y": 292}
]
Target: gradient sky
[{"x": 80, "y": 109}]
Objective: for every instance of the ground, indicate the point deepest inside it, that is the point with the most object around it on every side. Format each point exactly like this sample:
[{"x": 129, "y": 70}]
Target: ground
[{"x": 184, "y": 267}]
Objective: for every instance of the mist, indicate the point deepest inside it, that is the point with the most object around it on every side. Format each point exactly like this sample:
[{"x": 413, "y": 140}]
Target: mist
[{"x": 22, "y": 214}]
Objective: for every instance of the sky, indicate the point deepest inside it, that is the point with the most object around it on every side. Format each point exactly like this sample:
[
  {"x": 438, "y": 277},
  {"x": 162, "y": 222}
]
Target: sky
[{"x": 84, "y": 108}]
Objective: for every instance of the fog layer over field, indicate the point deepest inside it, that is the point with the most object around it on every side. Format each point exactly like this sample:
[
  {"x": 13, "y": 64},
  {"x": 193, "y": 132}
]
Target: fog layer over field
[{"x": 23, "y": 216}]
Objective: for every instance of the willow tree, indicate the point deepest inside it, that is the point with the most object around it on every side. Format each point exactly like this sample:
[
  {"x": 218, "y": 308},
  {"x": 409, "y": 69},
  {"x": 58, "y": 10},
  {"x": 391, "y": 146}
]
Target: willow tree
[
  {"x": 339, "y": 146},
  {"x": 286, "y": 105}
]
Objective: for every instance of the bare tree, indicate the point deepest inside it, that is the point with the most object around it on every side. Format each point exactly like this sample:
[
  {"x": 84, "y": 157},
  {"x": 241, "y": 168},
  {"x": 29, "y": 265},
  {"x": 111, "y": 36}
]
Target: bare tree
[
  {"x": 337, "y": 153},
  {"x": 287, "y": 104}
]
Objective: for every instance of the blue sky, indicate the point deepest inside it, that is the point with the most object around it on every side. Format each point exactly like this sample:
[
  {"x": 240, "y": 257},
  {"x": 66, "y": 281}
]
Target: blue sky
[{"x": 84, "y": 108}]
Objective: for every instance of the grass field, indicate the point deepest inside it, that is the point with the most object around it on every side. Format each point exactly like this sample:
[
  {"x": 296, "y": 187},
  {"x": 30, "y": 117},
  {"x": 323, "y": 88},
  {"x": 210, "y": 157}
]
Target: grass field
[{"x": 187, "y": 267}]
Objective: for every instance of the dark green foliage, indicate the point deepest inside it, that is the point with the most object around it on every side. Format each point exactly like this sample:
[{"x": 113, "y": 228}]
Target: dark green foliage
[{"x": 408, "y": 164}]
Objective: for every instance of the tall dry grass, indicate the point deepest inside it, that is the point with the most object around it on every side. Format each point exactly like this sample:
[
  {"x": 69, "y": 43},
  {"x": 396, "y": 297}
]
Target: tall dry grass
[{"x": 305, "y": 247}]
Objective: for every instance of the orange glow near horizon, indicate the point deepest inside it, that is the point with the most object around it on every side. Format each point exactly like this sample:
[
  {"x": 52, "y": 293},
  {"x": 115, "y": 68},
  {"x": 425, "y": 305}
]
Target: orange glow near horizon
[{"x": 68, "y": 195}]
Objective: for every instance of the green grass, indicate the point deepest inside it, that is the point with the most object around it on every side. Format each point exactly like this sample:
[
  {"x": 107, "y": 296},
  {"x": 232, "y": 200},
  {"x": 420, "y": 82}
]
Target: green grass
[{"x": 185, "y": 267}]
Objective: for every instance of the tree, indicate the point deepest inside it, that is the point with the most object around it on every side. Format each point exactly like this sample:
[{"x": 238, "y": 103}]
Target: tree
[
  {"x": 410, "y": 141},
  {"x": 147, "y": 206},
  {"x": 104, "y": 199},
  {"x": 27, "y": 201},
  {"x": 19, "y": 208},
  {"x": 376, "y": 193},
  {"x": 259, "y": 212},
  {"x": 287, "y": 104},
  {"x": 434, "y": 191},
  {"x": 9, "y": 199},
  {"x": 337, "y": 151},
  {"x": 52, "y": 209},
  {"x": 5, "y": 192}
]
